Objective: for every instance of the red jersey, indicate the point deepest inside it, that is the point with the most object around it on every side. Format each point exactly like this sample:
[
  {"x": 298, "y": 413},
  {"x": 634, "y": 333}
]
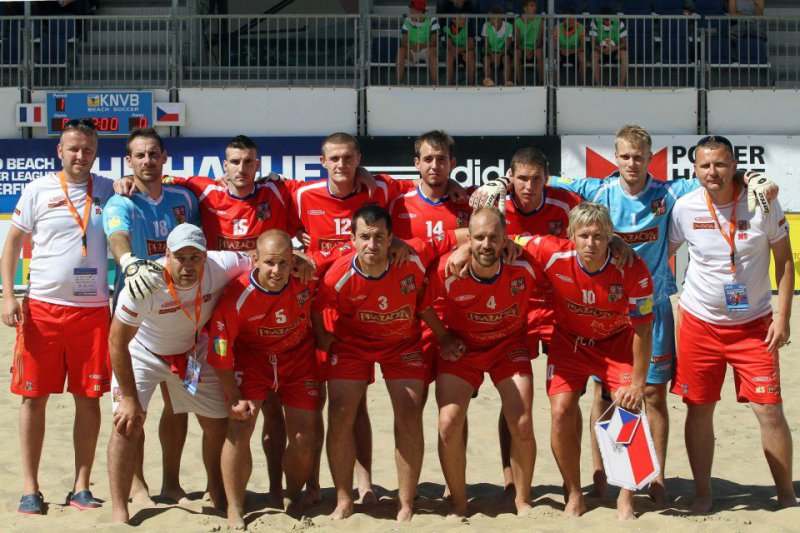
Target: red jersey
[
  {"x": 593, "y": 305},
  {"x": 327, "y": 218},
  {"x": 233, "y": 223},
  {"x": 550, "y": 218},
  {"x": 483, "y": 312},
  {"x": 375, "y": 314},
  {"x": 414, "y": 215}
]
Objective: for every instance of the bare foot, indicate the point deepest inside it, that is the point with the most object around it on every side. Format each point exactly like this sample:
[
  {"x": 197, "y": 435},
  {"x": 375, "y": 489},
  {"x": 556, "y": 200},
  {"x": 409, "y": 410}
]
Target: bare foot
[
  {"x": 625, "y": 510},
  {"x": 294, "y": 508},
  {"x": 367, "y": 497},
  {"x": 141, "y": 496},
  {"x": 599, "y": 485},
  {"x": 457, "y": 511},
  {"x": 446, "y": 494},
  {"x": 509, "y": 494},
  {"x": 174, "y": 494},
  {"x": 575, "y": 505},
  {"x": 405, "y": 514},
  {"x": 790, "y": 500},
  {"x": 343, "y": 510},
  {"x": 702, "y": 504},
  {"x": 276, "y": 497},
  {"x": 235, "y": 519},
  {"x": 658, "y": 493},
  {"x": 119, "y": 516},
  {"x": 523, "y": 508},
  {"x": 312, "y": 497}
]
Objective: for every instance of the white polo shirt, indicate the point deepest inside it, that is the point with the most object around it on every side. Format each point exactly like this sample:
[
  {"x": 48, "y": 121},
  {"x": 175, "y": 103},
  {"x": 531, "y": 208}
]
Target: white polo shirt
[
  {"x": 59, "y": 273},
  {"x": 711, "y": 291},
  {"x": 163, "y": 328}
]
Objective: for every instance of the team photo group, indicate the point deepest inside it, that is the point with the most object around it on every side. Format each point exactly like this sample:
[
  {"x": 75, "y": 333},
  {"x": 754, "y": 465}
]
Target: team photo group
[{"x": 254, "y": 297}]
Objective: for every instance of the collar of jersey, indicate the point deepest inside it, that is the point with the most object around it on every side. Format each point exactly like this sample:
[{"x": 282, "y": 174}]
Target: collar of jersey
[
  {"x": 258, "y": 286},
  {"x": 366, "y": 276},
  {"x": 146, "y": 197},
  {"x": 490, "y": 280},
  {"x": 345, "y": 197},
  {"x": 534, "y": 210},
  {"x": 245, "y": 197},
  {"x": 638, "y": 195},
  {"x": 600, "y": 270},
  {"x": 428, "y": 201}
]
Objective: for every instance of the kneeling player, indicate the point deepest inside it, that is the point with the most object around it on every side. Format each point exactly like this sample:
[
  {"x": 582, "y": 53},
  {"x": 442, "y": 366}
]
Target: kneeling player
[{"x": 603, "y": 327}]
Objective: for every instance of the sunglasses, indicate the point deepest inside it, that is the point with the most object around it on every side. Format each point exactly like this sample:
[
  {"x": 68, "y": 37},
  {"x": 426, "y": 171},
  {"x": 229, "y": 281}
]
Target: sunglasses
[
  {"x": 715, "y": 139},
  {"x": 80, "y": 123}
]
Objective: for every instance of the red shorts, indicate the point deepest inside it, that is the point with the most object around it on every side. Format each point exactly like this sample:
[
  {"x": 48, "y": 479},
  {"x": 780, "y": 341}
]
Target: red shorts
[
  {"x": 510, "y": 358},
  {"x": 540, "y": 327},
  {"x": 56, "y": 342},
  {"x": 430, "y": 353},
  {"x": 703, "y": 351},
  {"x": 404, "y": 362},
  {"x": 572, "y": 360},
  {"x": 292, "y": 376}
]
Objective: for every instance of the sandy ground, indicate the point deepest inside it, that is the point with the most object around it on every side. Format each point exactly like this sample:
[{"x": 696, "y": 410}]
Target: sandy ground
[{"x": 745, "y": 495}]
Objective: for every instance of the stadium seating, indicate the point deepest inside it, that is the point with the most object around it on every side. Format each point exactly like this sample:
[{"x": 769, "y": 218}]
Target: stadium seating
[{"x": 597, "y": 7}]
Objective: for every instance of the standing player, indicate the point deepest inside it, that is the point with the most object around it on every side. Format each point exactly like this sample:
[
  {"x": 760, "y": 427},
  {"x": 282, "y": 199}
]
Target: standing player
[
  {"x": 160, "y": 339},
  {"x": 62, "y": 326},
  {"x": 603, "y": 327},
  {"x": 726, "y": 316},
  {"x": 137, "y": 226},
  {"x": 375, "y": 322},
  {"x": 485, "y": 316}
]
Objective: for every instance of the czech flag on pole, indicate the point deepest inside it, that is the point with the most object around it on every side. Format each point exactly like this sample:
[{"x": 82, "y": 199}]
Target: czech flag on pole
[
  {"x": 170, "y": 114},
  {"x": 629, "y": 457},
  {"x": 30, "y": 115}
]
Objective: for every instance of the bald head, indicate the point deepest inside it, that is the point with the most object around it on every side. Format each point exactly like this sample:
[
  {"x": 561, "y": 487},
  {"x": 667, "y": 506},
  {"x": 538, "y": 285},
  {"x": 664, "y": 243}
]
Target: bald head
[
  {"x": 273, "y": 241},
  {"x": 274, "y": 259},
  {"x": 487, "y": 216}
]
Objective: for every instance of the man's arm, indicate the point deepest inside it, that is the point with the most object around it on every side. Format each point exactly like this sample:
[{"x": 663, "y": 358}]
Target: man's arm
[
  {"x": 8, "y": 268},
  {"x": 452, "y": 348},
  {"x": 778, "y": 333},
  {"x": 323, "y": 338},
  {"x": 129, "y": 415},
  {"x": 119, "y": 243}
]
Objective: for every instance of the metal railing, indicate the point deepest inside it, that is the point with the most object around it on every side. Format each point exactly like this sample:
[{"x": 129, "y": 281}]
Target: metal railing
[{"x": 170, "y": 52}]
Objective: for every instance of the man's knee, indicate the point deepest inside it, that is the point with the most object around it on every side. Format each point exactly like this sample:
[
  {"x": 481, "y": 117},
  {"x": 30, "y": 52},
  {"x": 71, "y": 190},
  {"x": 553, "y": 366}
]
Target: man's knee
[
  {"x": 769, "y": 414},
  {"x": 451, "y": 426},
  {"x": 521, "y": 428},
  {"x": 655, "y": 395}
]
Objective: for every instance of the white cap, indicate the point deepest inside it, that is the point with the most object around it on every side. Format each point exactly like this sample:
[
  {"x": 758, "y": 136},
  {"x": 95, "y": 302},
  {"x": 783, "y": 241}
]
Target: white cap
[{"x": 184, "y": 235}]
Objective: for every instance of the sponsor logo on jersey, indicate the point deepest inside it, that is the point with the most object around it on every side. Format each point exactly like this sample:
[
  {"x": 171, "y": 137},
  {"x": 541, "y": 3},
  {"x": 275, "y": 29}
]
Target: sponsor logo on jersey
[
  {"x": 644, "y": 306},
  {"x": 232, "y": 244},
  {"x": 742, "y": 236},
  {"x": 311, "y": 384},
  {"x": 587, "y": 310},
  {"x": 220, "y": 325},
  {"x": 358, "y": 298},
  {"x": 465, "y": 297},
  {"x": 462, "y": 218},
  {"x": 517, "y": 286},
  {"x": 658, "y": 207},
  {"x": 407, "y": 215},
  {"x": 492, "y": 318},
  {"x": 565, "y": 180},
  {"x": 156, "y": 247},
  {"x": 404, "y": 313},
  {"x": 172, "y": 306},
  {"x": 263, "y": 211},
  {"x": 315, "y": 212},
  {"x": 220, "y": 347},
  {"x": 644, "y": 282},
  {"x": 703, "y": 225},
  {"x": 555, "y": 227},
  {"x": 302, "y": 297},
  {"x": 180, "y": 214},
  {"x": 782, "y": 221},
  {"x": 330, "y": 244},
  {"x": 637, "y": 237},
  {"x": 519, "y": 355},
  {"x": 564, "y": 278},
  {"x": 762, "y": 379},
  {"x": 217, "y": 211},
  {"x": 660, "y": 358},
  {"x": 280, "y": 331},
  {"x": 256, "y": 317},
  {"x": 132, "y": 313},
  {"x": 407, "y": 285},
  {"x": 114, "y": 222},
  {"x": 623, "y": 378},
  {"x": 412, "y": 359},
  {"x": 615, "y": 292},
  {"x": 168, "y": 180},
  {"x": 773, "y": 389},
  {"x": 17, "y": 212},
  {"x": 56, "y": 201},
  {"x": 743, "y": 225}
]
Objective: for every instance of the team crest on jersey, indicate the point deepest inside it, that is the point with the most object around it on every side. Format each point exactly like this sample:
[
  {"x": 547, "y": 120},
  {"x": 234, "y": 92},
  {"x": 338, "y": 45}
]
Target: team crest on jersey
[
  {"x": 263, "y": 211},
  {"x": 744, "y": 225},
  {"x": 439, "y": 237},
  {"x": 28, "y": 385},
  {"x": 180, "y": 214},
  {"x": 555, "y": 227},
  {"x": 517, "y": 286},
  {"x": 408, "y": 285},
  {"x": 302, "y": 297},
  {"x": 614, "y": 292},
  {"x": 462, "y": 219},
  {"x": 168, "y": 180},
  {"x": 658, "y": 207}
]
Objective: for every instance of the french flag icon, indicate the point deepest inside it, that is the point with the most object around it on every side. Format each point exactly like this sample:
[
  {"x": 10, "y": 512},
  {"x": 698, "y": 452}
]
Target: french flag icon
[
  {"x": 30, "y": 115},
  {"x": 629, "y": 456}
]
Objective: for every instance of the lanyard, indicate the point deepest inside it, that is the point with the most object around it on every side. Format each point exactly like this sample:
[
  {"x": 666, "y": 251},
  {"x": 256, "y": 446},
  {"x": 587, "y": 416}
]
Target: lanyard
[
  {"x": 730, "y": 236},
  {"x": 198, "y": 301},
  {"x": 87, "y": 207}
]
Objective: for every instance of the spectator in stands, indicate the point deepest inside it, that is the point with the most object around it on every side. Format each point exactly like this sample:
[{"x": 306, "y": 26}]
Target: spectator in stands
[
  {"x": 746, "y": 8},
  {"x": 609, "y": 46},
  {"x": 460, "y": 41},
  {"x": 529, "y": 38},
  {"x": 497, "y": 35},
  {"x": 569, "y": 41},
  {"x": 419, "y": 34}
]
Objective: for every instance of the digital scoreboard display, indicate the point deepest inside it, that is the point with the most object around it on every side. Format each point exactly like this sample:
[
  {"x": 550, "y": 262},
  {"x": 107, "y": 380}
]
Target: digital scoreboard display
[{"x": 113, "y": 112}]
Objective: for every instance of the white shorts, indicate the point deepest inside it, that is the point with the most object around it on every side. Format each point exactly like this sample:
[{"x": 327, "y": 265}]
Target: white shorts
[
  {"x": 150, "y": 370},
  {"x": 418, "y": 57}
]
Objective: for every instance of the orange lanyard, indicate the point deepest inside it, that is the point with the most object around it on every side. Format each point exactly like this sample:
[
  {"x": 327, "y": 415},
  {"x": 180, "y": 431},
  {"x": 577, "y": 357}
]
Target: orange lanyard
[
  {"x": 198, "y": 301},
  {"x": 730, "y": 236},
  {"x": 87, "y": 207}
]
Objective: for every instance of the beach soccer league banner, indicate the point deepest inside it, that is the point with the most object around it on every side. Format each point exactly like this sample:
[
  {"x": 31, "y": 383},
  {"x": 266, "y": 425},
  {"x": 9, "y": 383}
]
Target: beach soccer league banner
[
  {"x": 673, "y": 158},
  {"x": 479, "y": 159}
]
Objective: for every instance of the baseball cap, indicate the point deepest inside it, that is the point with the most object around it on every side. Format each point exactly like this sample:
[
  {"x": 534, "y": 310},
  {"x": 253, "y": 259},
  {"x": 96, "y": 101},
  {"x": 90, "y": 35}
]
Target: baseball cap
[
  {"x": 184, "y": 235},
  {"x": 418, "y": 4}
]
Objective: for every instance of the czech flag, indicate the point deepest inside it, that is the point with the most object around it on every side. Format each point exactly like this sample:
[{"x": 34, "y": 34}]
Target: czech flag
[
  {"x": 170, "y": 114},
  {"x": 30, "y": 115},
  {"x": 629, "y": 457}
]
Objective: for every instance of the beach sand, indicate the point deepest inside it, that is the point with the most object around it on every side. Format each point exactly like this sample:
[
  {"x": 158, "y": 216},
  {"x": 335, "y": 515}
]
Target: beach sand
[{"x": 745, "y": 496}]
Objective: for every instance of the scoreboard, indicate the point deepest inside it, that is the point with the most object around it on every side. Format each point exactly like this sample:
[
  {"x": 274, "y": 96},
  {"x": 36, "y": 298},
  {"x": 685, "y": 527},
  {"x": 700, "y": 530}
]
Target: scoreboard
[{"x": 113, "y": 112}]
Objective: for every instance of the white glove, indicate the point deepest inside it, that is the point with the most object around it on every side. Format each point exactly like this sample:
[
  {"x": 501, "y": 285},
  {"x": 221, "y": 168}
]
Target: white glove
[
  {"x": 139, "y": 275},
  {"x": 760, "y": 191},
  {"x": 491, "y": 192}
]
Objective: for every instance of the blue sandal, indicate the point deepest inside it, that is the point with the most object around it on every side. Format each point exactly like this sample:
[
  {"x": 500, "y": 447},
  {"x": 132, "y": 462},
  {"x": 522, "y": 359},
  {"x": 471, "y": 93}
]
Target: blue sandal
[
  {"x": 31, "y": 504},
  {"x": 83, "y": 500}
]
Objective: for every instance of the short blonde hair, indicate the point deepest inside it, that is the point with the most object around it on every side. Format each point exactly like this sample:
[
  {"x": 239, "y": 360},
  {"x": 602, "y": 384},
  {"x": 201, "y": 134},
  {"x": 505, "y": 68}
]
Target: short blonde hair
[
  {"x": 588, "y": 213},
  {"x": 635, "y": 135}
]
